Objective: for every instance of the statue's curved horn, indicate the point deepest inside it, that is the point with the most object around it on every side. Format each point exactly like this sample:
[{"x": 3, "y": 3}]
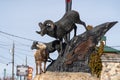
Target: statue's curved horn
[{"x": 40, "y": 24}]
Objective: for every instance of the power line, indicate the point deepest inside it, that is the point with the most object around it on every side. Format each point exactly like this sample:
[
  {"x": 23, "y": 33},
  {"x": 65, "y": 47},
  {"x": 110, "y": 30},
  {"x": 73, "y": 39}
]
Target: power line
[
  {"x": 3, "y": 42},
  {"x": 4, "y": 45},
  {"x": 114, "y": 46},
  {"x": 24, "y": 54},
  {"x": 5, "y": 58},
  {"x": 2, "y": 62},
  {"x": 19, "y": 50},
  {"x": 18, "y": 42},
  {"x": 16, "y": 36},
  {"x": 7, "y": 37},
  {"x": 27, "y": 38},
  {"x": 23, "y": 44}
]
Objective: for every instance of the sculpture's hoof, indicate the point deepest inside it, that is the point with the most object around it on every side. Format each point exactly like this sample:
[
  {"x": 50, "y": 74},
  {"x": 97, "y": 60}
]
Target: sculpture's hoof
[
  {"x": 36, "y": 73},
  {"x": 40, "y": 73},
  {"x": 44, "y": 71}
]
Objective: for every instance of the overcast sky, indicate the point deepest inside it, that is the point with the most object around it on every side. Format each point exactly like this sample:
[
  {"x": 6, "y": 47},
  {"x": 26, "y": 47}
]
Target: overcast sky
[{"x": 21, "y": 18}]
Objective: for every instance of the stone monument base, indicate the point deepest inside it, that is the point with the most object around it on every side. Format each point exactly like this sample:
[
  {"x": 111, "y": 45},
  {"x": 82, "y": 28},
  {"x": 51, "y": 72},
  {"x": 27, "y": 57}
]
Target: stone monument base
[{"x": 65, "y": 76}]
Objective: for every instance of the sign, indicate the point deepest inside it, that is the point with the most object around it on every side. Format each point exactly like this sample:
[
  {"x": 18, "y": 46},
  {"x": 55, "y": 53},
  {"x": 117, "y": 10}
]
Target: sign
[
  {"x": 30, "y": 70},
  {"x": 22, "y": 70}
]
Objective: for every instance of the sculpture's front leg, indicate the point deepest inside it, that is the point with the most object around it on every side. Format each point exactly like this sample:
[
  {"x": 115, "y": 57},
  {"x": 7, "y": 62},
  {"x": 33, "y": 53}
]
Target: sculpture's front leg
[
  {"x": 40, "y": 65},
  {"x": 61, "y": 48},
  {"x": 37, "y": 68},
  {"x": 75, "y": 30},
  {"x": 44, "y": 66}
]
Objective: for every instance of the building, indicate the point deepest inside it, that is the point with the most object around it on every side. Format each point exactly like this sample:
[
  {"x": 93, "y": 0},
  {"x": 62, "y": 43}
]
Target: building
[{"x": 111, "y": 63}]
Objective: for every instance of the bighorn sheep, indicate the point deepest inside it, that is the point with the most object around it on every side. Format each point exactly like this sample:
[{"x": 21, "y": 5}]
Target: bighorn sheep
[
  {"x": 50, "y": 47},
  {"x": 41, "y": 55},
  {"x": 61, "y": 28},
  {"x": 43, "y": 50}
]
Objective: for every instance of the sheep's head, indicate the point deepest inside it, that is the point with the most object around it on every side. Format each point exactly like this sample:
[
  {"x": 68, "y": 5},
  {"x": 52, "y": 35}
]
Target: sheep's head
[
  {"x": 34, "y": 45},
  {"x": 41, "y": 46},
  {"x": 46, "y": 27}
]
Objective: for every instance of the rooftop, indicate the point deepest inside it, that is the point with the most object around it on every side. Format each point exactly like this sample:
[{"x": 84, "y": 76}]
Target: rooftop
[{"x": 111, "y": 50}]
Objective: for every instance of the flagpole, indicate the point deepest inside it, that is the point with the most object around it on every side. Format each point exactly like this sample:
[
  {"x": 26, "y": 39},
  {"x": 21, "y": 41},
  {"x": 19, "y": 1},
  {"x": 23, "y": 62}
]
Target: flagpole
[
  {"x": 68, "y": 5},
  {"x": 68, "y": 8}
]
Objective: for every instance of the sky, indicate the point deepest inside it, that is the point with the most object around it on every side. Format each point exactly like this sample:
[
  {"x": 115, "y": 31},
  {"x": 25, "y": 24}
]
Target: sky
[{"x": 21, "y": 18}]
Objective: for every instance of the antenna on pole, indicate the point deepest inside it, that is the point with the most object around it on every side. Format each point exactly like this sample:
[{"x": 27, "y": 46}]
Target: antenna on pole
[{"x": 68, "y": 8}]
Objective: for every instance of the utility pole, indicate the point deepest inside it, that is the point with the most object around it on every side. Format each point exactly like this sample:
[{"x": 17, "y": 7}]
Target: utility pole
[
  {"x": 4, "y": 73},
  {"x": 68, "y": 8},
  {"x": 25, "y": 77},
  {"x": 26, "y": 60},
  {"x": 13, "y": 61}
]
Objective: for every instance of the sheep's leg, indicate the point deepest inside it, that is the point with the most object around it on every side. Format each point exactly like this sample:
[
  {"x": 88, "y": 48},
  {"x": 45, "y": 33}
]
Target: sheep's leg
[
  {"x": 36, "y": 68},
  {"x": 40, "y": 64},
  {"x": 44, "y": 66},
  {"x": 61, "y": 51},
  {"x": 75, "y": 30},
  {"x": 65, "y": 38}
]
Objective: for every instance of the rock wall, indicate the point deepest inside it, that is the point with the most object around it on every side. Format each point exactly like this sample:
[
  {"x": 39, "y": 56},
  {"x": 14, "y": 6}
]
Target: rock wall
[
  {"x": 65, "y": 76},
  {"x": 111, "y": 67},
  {"x": 111, "y": 71}
]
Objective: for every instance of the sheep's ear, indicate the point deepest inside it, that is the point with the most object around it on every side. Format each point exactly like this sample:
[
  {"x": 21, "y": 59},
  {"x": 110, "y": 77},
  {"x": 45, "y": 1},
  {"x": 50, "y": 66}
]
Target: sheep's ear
[{"x": 40, "y": 24}]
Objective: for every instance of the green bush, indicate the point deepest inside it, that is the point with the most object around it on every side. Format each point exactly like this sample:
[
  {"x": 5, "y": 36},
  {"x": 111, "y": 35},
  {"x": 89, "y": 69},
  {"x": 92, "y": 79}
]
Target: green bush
[{"x": 95, "y": 62}]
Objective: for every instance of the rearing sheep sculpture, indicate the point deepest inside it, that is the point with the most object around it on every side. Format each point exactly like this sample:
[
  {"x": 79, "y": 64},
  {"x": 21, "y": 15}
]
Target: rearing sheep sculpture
[{"x": 62, "y": 27}]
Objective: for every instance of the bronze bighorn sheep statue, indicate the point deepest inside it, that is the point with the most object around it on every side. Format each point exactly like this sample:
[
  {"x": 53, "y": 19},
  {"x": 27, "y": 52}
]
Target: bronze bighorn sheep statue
[
  {"x": 61, "y": 28},
  {"x": 50, "y": 47},
  {"x": 40, "y": 55},
  {"x": 42, "y": 52}
]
